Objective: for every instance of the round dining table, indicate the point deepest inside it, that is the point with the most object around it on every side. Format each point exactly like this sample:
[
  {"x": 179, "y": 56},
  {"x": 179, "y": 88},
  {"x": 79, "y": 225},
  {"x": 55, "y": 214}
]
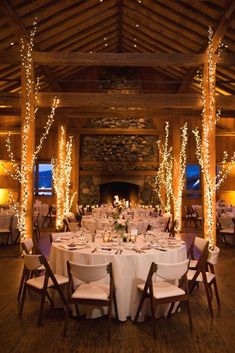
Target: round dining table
[{"x": 130, "y": 261}]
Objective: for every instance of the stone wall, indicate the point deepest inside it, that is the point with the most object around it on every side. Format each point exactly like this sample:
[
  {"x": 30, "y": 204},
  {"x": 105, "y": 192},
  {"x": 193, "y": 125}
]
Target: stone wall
[{"x": 118, "y": 154}]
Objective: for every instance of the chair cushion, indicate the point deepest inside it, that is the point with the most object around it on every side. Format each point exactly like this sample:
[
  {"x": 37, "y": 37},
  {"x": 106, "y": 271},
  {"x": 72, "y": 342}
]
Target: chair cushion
[
  {"x": 5, "y": 230},
  {"x": 92, "y": 291},
  {"x": 227, "y": 231},
  {"x": 38, "y": 282},
  {"x": 193, "y": 263},
  {"x": 163, "y": 289},
  {"x": 209, "y": 276}
]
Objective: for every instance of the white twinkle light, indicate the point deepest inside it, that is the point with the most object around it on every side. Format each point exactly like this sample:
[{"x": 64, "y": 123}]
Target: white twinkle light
[
  {"x": 209, "y": 120},
  {"x": 21, "y": 172},
  {"x": 61, "y": 176}
]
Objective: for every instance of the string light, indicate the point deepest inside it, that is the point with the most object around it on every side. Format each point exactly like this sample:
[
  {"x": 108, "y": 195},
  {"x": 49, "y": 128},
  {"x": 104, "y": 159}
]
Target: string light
[
  {"x": 178, "y": 195},
  {"x": 164, "y": 174},
  {"x": 209, "y": 119},
  {"x": 167, "y": 167},
  {"x": 22, "y": 173},
  {"x": 61, "y": 176}
]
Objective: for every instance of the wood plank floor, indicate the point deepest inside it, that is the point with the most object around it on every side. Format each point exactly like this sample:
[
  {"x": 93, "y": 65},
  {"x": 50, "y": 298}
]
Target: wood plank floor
[{"x": 89, "y": 336}]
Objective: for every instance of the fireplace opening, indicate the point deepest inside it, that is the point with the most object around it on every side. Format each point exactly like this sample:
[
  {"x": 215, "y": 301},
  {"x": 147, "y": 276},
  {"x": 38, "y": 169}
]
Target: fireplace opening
[{"x": 127, "y": 191}]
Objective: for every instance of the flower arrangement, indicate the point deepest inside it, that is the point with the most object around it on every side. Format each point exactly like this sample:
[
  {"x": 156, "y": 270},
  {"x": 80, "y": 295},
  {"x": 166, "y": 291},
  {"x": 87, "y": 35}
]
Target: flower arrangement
[{"x": 120, "y": 222}]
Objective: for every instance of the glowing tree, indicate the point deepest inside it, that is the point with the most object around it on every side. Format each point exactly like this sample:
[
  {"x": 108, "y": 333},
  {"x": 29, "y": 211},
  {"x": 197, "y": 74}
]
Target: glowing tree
[
  {"x": 168, "y": 169},
  {"x": 205, "y": 144},
  {"x": 61, "y": 175},
  {"x": 23, "y": 173}
]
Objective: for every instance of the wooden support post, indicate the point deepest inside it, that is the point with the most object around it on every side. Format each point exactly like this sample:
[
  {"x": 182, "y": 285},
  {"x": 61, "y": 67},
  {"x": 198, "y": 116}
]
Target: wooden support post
[
  {"x": 76, "y": 169},
  {"x": 176, "y": 144},
  {"x": 27, "y": 150},
  {"x": 61, "y": 153},
  {"x": 209, "y": 156}
]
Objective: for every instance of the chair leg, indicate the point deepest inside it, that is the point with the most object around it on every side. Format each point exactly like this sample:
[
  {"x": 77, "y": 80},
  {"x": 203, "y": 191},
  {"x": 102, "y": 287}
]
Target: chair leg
[
  {"x": 139, "y": 306},
  {"x": 115, "y": 304},
  {"x": 189, "y": 315},
  {"x": 41, "y": 309},
  {"x": 171, "y": 308},
  {"x": 208, "y": 298},
  {"x": 66, "y": 317},
  {"x": 23, "y": 299},
  {"x": 21, "y": 285},
  {"x": 216, "y": 293},
  {"x": 109, "y": 320},
  {"x": 153, "y": 316},
  {"x": 50, "y": 300}
]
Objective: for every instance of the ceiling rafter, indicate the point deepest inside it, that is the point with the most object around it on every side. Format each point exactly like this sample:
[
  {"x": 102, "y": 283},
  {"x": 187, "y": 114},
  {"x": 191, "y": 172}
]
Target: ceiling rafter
[
  {"x": 21, "y": 32},
  {"x": 219, "y": 33}
]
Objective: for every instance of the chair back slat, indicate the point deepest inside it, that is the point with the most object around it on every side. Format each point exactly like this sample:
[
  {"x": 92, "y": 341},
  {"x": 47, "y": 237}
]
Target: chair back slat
[
  {"x": 88, "y": 273},
  {"x": 200, "y": 243},
  {"x": 27, "y": 245},
  {"x": 32, "y": 262},
  {"x": 172, "y": 271}
]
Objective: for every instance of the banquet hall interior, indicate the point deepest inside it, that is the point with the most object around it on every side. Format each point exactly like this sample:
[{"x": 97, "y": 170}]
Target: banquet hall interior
[{"x": 117, "y": 176}]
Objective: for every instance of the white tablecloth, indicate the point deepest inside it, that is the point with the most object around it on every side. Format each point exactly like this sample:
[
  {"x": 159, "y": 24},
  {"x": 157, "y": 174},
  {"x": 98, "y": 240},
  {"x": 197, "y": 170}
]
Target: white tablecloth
[
  {"x": 5, "y": 221},
  {"x": 93, "y": 223},
  {"x": 130, "y": 268}
]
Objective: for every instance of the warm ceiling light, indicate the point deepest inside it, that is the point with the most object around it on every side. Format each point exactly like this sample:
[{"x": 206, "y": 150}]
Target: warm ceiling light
[
  {"x": 105, "y": 38},
  {"x": 135, "y": 45},
  {"x": 12, "y": 43},
  {"x": 137, "y": 25},
  {"x": 106, "y": 44}
]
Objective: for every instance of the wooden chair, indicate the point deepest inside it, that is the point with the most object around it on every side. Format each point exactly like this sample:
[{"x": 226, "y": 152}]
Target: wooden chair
[
  {"x": 199, "y": 245},
  {"x": 70, "y": 226},
  {"x": 41, "y": 284},
  {"x": 89, "y": 292},
  {"x": 190, "y": 216},
  {"x": 36, "y": 229},
  {"x": 6, "y": 229},
  {"x": 172, "y": 230},
  {"x": 199, "y": 216},
  {"x": 226, "y": 228},
  {"x": 167, "y": 227},
  {"x": 54, "y": 236},
  {"x": 28, "y": 246},
  {"x": 50, "y": 217},
  {"x": 162, "y": 292},
  {"x": 200, "y": 274}
]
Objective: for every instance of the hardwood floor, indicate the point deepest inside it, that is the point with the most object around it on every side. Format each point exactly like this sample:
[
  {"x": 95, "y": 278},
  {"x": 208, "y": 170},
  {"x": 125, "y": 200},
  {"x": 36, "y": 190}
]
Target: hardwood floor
[{"x": 89, "y": 336}]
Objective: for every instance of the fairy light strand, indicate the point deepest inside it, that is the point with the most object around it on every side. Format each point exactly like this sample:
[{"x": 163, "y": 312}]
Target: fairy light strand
[
  {"x": 22, "y": 172},
  {"x": 61, "y": 176},
  {"x": 209, "y": 119}
]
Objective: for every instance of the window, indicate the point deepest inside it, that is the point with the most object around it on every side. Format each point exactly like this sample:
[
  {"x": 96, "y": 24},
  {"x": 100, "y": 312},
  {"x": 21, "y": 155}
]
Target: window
[
  {"x": 193, "y": 177},
  {"x": 43, "y": 179}
]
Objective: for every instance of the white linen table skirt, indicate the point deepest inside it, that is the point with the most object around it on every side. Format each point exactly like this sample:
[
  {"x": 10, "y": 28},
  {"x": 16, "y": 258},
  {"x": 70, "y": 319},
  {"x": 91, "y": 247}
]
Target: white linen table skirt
[{"x": 130, "y": 269}]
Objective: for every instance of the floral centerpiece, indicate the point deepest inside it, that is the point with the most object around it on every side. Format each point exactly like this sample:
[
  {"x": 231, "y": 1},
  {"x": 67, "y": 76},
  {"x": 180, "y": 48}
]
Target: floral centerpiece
[{"x": 120, "y": 221}]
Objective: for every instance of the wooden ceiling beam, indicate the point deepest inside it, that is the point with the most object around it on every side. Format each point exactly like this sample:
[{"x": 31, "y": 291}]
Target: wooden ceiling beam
[
  {"x": 114, "y": 59},
  {"x": 219, "y": 33},
  {"x": 118, "y": 131},
  {"x": 21, "y": 32},
  {"x": 132, "y": 100},
  {"x": 118, "y": 100},
  {"x": 117, "y": 59}
]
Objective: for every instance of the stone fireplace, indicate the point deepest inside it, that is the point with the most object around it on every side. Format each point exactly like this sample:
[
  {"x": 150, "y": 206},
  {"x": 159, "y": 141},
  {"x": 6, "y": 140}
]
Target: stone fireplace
[
  {"x": 127, "y": 191},
  {"x": 117, "y": 164}
]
